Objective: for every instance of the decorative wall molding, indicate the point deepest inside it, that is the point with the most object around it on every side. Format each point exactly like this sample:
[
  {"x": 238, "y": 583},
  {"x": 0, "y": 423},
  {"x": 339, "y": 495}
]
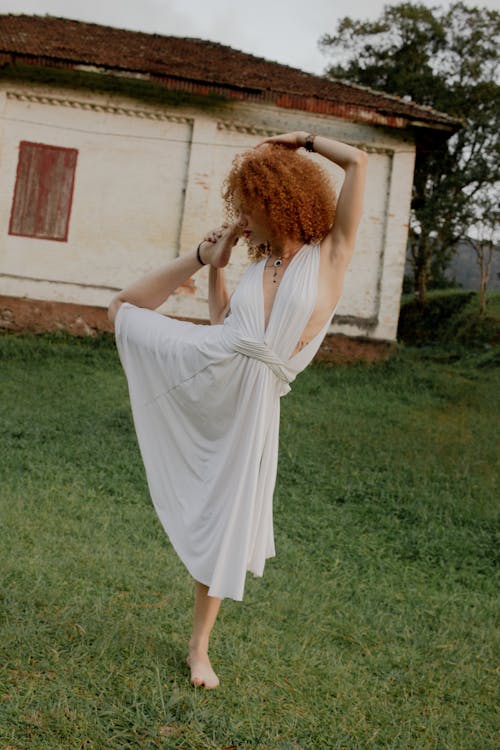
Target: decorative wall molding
[
  {"x": 239, "y": 127},
  {"x": 374, "y": 149},
  {"x": 56, "y": 101},
  {"x": 228, "y": 125}
]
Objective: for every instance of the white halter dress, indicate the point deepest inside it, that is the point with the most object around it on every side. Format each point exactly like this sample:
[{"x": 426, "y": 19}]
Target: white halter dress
[{"x": 206, "y": 405}]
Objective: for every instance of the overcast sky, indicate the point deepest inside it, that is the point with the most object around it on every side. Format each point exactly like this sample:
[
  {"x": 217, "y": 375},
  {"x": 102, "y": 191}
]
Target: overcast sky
[{"x": 286, "y": 31}]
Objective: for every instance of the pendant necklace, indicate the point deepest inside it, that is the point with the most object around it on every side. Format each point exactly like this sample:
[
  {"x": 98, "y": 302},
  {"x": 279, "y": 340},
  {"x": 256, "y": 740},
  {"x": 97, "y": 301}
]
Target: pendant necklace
[{"x": 277, "y": 263}]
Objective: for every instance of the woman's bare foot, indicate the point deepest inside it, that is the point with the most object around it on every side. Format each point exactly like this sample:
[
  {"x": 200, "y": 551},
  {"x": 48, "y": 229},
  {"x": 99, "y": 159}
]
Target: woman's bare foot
[
  {"x": 202, "y": 673},
  {"x": 218, "y": 245}
]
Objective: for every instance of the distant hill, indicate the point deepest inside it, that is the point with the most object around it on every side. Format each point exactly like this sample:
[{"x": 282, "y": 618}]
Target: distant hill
[{"x": 464, "y": 269}]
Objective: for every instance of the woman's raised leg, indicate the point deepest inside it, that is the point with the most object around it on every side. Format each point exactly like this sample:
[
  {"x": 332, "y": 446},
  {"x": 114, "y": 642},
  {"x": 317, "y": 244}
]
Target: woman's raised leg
[{"x": 206, "y": 609}]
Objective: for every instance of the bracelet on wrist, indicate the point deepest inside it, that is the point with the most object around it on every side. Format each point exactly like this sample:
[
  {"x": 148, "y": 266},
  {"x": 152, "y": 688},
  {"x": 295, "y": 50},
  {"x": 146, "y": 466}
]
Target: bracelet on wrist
[
  {"x": 309, "y": 142},
  {"x": 198, "y": 256}
]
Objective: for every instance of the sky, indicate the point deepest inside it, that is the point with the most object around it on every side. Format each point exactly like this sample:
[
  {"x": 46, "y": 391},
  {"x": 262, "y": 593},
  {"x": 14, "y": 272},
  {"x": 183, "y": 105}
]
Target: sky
[{"x": 286, "y": 31}]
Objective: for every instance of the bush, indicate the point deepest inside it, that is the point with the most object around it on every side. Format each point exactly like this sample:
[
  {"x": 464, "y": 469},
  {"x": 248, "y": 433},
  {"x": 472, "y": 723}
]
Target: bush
[{"x": 447, "y": 318}]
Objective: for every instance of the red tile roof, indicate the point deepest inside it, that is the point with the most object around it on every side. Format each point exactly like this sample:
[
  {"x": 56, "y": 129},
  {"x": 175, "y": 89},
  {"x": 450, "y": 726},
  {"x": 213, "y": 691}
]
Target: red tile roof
[{"x": 202, "y": 67}]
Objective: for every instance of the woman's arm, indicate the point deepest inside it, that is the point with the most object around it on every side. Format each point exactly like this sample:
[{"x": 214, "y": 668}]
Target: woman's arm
[
  {"x": 341, "y": 237},
  {"x": 353, "y": 161},
  {"x": 218, "y": 297},
  {"x": 152, "y": 290}
]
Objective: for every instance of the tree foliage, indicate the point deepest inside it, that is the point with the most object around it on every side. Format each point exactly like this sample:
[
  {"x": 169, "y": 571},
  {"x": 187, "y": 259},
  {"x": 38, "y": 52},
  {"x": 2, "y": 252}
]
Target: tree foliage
[{"x": 449, "y": 60}]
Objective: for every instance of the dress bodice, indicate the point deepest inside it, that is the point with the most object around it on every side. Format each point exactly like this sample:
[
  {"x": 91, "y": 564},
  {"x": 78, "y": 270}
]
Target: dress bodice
[{"x": 292, "y": 308}]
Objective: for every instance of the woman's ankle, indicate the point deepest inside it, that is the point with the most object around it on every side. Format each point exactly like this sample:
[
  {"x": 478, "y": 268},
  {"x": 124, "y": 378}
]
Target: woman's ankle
[{"x": 198, "y": 645}]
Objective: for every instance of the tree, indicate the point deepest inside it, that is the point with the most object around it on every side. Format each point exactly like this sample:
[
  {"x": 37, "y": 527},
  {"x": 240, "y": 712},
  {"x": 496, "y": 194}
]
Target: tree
[
  {"x": 483, "y": 243},
  {"x": 446, "y": 59}
]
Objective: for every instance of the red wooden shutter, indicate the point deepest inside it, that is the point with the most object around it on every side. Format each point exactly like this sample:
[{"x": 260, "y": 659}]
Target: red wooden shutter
[{"x": 44, "y": 191}]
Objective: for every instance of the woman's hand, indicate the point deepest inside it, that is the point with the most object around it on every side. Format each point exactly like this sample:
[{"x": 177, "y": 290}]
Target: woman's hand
[{"x": 291, "y": 140}]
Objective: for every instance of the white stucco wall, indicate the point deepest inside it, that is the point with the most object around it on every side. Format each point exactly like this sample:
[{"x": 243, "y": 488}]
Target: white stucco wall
[{"x": 147, "y": 187}]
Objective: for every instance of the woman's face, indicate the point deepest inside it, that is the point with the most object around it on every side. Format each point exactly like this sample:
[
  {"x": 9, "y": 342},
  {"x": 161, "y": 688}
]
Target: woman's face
[{"x": 257, "y": 228}]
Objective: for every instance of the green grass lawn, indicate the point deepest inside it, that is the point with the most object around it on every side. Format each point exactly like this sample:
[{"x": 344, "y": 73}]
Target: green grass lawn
[{"x": 374, "y": 627}]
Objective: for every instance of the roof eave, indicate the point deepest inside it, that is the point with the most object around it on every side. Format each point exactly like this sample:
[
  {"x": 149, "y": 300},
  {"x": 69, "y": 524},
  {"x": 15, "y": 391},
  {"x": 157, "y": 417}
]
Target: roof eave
[{"x": 283, "y": 99}]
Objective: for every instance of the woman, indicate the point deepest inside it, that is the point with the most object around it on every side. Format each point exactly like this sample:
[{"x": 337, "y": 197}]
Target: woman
[{"x": 205, "y": 400}]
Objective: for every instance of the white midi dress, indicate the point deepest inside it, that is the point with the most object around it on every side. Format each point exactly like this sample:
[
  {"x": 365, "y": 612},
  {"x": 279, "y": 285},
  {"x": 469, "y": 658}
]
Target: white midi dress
[{"x": 206, "y": 405}]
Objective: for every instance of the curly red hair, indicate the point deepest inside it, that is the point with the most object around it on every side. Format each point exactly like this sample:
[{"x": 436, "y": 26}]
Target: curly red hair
[{"x": 294, "y": 192}]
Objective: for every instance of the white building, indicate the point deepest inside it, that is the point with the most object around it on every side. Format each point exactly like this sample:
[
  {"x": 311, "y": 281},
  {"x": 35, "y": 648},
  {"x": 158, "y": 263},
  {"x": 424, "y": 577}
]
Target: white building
[{"x": 114, "y": 146}]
